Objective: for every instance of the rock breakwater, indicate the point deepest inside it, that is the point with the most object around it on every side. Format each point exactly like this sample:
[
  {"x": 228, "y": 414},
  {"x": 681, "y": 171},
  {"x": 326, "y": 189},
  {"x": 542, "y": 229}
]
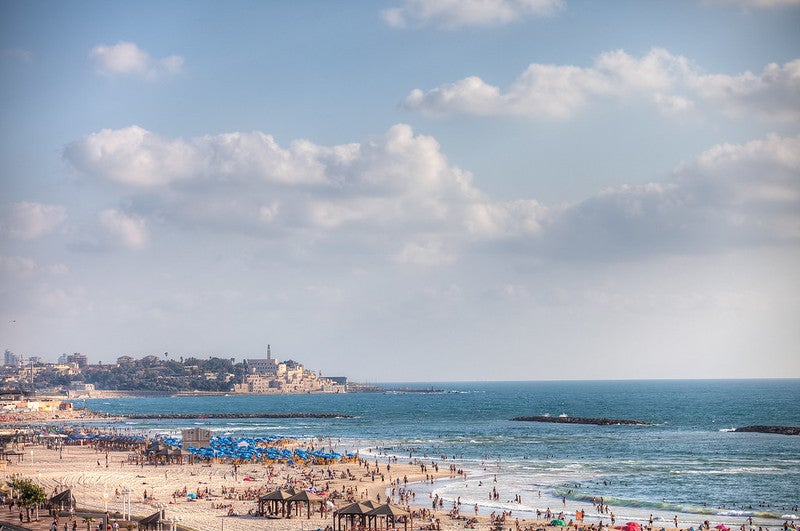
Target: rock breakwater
[
  {"x": 185, "y": 416},
  {"x": 582, "y": 420},
  {"x": 780, "y": 430}
]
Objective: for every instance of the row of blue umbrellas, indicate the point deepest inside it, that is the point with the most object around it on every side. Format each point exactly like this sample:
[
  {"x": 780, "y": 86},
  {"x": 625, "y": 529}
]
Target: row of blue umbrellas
[
  {"x": 252, "y": 449},
  {"x": 224, "y": 447}
]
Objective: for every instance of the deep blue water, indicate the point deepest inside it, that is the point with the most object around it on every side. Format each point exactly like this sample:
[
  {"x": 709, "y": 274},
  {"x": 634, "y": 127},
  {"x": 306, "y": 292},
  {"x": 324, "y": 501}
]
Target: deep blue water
[{"x": 686, "y": 462}]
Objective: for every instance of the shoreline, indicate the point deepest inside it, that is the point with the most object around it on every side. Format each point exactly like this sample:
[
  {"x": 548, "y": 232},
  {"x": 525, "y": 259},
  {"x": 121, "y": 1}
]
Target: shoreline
[
  {"x": 411, "y": 482},
  {"x": 511, "y": 482}
]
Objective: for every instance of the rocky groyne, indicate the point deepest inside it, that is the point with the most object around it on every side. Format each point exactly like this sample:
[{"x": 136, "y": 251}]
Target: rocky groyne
[
  {"x": 189, "y": 416},
  {"x": 582, "y": 420},
  {"x": 780, "y": 430}
]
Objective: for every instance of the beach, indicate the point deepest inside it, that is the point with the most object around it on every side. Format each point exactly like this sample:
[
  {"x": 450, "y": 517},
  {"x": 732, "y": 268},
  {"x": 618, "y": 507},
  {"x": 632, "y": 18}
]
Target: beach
[
  {"x": 681, "y": 465},
  {"x": 214, "y": 495},
  {"x": 220, "y": 495}
]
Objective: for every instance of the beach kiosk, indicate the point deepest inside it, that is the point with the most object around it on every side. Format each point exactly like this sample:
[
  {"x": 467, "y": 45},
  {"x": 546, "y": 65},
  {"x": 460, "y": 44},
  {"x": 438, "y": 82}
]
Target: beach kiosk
[{"x": 197, "y": 437}]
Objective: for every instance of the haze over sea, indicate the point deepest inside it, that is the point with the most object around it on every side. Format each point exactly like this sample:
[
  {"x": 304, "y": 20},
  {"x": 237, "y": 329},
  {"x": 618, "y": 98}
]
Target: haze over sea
[{"x": 688, "y": 462}]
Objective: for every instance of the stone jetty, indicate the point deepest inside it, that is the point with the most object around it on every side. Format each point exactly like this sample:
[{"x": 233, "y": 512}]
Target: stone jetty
[
  {"x": 185, "y": 416},
  {"x": 780, "y": 430},
  {"x": 582, "y": 420}
]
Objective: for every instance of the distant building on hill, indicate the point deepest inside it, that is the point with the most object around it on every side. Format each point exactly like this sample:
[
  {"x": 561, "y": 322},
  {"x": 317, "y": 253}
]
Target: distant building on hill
[
  {"x": 261, "y": 365},
  {"x": 269, "y": 376},
  {"x": 79, "y": 359},
  {"x": 10, "y": 359}
]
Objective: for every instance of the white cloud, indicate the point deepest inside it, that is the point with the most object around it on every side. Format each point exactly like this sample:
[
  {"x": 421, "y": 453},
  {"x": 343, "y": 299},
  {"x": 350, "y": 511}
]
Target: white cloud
[
  {"x": 137, "y": 157},
  {"x": 772, "y": 95},
  {"x": 125, "y": 230},
  {"x": 671, "y": 104},
  {"x": 127, "y": 59},
  {"x": 397, "y": 194},
  {"x": 669, "y": 81},
  {"x": 398, "y": 182},
  {"x": 26, "y": 221},
  {"x": 729, "y": 196},
  {"x": 514, "y": 219},
  {"x": 452, "y": 14}
]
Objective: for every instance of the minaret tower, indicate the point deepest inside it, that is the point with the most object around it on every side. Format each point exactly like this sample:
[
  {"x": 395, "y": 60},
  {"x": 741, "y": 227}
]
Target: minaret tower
[{"x": 269, "y": 354}]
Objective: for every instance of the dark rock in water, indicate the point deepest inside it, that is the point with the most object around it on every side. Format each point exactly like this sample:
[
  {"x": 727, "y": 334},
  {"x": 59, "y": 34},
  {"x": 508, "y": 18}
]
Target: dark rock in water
[
  {"x": 239, "y": 416},
  {"x": 582, "y": 420},
  {"x": 780, "y": 430}
]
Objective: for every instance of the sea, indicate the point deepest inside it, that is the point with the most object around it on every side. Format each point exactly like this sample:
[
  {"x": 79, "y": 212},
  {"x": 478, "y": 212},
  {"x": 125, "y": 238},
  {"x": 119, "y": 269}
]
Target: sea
[{"x": 687, "y": 462}]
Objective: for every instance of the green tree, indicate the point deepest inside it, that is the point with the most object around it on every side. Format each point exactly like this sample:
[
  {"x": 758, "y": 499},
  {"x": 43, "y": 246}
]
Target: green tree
[{"x": 28, "y": 494}]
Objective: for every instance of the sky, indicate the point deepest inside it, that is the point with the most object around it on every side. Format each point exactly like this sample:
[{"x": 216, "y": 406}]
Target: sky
[{"x": 406, "y": 190}]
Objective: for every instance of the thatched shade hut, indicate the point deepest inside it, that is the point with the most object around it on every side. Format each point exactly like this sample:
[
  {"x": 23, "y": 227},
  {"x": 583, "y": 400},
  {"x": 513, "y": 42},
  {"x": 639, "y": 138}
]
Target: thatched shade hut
[
  {"x": 389, "y": 515},
  {"x": 150, "y": 522},
  {"x": 63, "y": 501},
  {"x": 275, "y": 502},
  {"x": 159, "y": 452},
  {"x": 304, "y": 497},
  {"x": 355, "y": 512}
]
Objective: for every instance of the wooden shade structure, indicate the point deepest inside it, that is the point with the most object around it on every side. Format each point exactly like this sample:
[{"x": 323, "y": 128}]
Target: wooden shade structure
[
  {"x": 303, "y": 497},
  {"x": 388, "y": 515},
  {"x": 352, "y": 513},
  {"x": 63, "y": 501},
  {"x": 276, "y": 500},
  {"x": 150, "y": 521}
]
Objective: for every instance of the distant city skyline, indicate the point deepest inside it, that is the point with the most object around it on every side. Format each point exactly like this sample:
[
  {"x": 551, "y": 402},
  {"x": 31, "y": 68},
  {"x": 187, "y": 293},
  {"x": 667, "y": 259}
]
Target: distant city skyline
[{"x": 405, "y": 190}]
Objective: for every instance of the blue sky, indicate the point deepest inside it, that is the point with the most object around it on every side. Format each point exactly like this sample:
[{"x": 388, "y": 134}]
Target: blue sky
[{"x": 406, "y": 190}]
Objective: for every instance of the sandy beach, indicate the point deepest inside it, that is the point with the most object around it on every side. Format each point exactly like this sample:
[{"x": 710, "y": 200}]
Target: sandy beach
[{"x": 224, "y": 495}]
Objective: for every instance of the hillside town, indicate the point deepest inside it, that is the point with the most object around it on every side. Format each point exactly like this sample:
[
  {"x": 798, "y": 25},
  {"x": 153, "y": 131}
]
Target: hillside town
[
  {"x": 269, "y": 376},
  {"x": 72, "y": 376}
]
